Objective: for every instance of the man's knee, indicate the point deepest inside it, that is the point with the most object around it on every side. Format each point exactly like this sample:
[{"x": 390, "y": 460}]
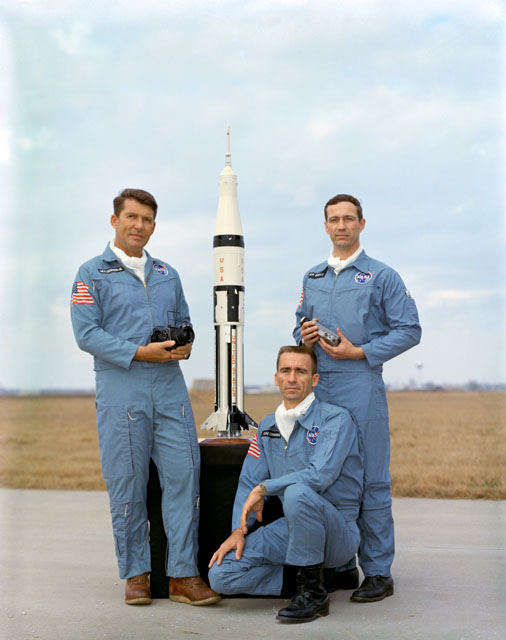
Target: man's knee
[
  {"x": 219, "y": 578},
  {"x": 297, "y": 496},
  {"x": 214, "y": 577}
]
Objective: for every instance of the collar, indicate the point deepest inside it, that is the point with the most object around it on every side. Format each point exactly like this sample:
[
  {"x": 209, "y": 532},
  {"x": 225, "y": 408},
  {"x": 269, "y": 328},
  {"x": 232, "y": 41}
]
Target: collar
[
  {"x": 362, "y": 262},
  {"x": 110, "y": 256},
  {"x": 305, "y": 421},
  {"x": 338, "y": 263}
]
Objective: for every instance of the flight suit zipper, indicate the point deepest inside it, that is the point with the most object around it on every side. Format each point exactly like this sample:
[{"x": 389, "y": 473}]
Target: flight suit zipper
[{"x": 144, "y": 284}]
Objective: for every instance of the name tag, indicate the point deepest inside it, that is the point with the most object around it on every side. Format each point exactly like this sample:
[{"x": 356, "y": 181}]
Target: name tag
[
  {"x": 271, "y": 434},
  {"x": 317, "y": 274},
  {"x": 111, "y": 270}
]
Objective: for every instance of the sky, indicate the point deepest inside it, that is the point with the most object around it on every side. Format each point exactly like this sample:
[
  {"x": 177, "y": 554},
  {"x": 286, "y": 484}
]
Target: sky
[{"x": 399, "y": 102}]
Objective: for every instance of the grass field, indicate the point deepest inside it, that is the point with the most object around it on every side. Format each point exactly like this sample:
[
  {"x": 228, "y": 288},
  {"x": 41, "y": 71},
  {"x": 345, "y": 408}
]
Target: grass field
[{"x": 444, "y": 444}]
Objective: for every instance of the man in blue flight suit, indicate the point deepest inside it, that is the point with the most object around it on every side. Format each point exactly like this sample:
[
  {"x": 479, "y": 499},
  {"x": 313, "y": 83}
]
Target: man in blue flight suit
[
  {"x": 307, "y": 454},
  {"x": 376, "y": 320},
  {"x": 143, "y": 408}
]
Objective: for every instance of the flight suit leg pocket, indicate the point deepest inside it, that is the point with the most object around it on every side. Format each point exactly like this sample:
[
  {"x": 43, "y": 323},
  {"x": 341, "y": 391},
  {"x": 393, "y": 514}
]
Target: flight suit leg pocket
[
  {"x": 115, "y": 441},
  {"x": 190, "y": 434},
  {"x": 120, "y": 514}
]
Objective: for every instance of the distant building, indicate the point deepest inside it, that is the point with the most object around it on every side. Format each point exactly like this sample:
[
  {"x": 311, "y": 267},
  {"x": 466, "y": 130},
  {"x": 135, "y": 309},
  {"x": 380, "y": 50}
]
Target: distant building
[{"x": 258, "y": 389}]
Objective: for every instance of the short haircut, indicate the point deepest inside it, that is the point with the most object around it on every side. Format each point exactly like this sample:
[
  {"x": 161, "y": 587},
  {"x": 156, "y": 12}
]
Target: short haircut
[
  {"x": 308, "y": 351},
  {"x": 344, "y": 197},
  {"x": 143, "y": 197}
]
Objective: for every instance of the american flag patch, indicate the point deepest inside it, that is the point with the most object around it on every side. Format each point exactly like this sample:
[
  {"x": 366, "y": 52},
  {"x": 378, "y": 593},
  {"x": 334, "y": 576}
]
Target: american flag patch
[
  {"x": 80, "y": 294},
  {"x": 301, "y": 298},
  {"x": 254, "y": 449}
]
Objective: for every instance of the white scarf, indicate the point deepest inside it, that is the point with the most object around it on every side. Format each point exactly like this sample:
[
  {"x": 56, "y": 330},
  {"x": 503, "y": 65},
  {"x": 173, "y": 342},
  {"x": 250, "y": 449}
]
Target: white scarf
[
  {"x": 338, "y": 265},
  {"x": 286, "y": 418},
  {"x": 137, "y": 265}
]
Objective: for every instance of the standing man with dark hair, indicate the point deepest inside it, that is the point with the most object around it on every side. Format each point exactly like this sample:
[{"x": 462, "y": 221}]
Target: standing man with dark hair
[
  {"x": 307, "y": 454},
  {"x": 143, "y": 408},
  {"x": 376, "y": 319}
]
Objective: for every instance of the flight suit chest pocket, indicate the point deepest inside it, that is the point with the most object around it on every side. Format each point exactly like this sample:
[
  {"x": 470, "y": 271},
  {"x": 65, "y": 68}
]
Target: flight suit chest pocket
[
  {"x": 275, "y": 453},
  {"x": 114, "y": 437},
  {"x": 319, "y": 286},
  {"x": 163, "y": 299},
  {"x": 297, "y": 457},
  {"x": 352, "y": 305},
  {"x": 120, "y": 295}
]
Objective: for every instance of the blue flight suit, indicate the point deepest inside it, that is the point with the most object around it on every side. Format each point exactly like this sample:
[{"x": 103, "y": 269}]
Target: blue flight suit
[
  {"x": 370, "y": 304},
  {"x": 318, "y": 475},
  {"x": 143, "y": 408}
]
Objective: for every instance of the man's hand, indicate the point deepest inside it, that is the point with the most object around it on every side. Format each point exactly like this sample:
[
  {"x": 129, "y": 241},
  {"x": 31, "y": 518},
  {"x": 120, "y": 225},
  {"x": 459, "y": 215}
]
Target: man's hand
[
  {"x": 309, "y": 332},
  {"x": 157, "y": 352},
  {"x": 235, "y": 541},
  {"x": 254, "y": 502},
  {"x": 345, "y": 350}
]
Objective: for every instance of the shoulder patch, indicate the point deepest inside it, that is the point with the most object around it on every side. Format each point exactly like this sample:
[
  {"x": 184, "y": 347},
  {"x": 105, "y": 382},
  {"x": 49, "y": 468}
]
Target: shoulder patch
[
  {"x": 80, "y": 294},
  {"x": 254, "y": 449},
  {"x": 111, "y": 270}
]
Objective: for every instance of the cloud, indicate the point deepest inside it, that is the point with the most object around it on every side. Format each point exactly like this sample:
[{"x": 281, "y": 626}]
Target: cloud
[
  {"x": 75, "y": 40},
  {"x": 5, "y": 147},
  {"x": 60, "y": 310},
  {"x": 177, "y": 236},
  {"x": 458, "y": 297},
  {"x": 43, "y": 138},
  {"x": 441, "y": 10}
]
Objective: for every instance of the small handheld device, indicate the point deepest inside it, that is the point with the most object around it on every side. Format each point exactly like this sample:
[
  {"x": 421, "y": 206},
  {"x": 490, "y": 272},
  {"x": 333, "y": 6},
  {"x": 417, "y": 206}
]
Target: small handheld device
[{"x": 325, "y": 334}]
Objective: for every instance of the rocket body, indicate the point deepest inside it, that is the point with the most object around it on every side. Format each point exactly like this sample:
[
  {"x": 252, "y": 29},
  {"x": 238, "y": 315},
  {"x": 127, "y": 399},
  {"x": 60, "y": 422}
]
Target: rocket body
[{"x": 228, "y": 293}]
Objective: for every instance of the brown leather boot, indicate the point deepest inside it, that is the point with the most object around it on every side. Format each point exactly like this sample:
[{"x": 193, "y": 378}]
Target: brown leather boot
[
  {"x": 192, "y": 591},
  {"x": 137, "y": 590}
]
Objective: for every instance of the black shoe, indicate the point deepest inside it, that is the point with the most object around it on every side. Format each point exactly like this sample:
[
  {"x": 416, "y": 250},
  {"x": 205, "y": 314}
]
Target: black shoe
[
  {"x": 374, "y": 589},
  {"x": 335, "y": 580},
  {"x": 311, "y": 599}
]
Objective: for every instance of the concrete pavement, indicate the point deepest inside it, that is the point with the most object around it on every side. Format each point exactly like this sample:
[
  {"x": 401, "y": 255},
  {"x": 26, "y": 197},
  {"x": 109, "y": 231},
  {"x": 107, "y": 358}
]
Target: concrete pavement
[{"x": 59, "y": 579}]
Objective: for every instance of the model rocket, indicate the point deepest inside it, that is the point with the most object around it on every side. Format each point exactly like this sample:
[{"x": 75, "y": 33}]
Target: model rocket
[{"x": 228, "y": 249}]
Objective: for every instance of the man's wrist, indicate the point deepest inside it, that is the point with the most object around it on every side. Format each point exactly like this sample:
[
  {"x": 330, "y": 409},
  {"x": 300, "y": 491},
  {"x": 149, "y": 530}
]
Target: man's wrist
[
  {"x": 359, "y": 353},
  {"x": 139, "y": 354},
  {"x": 263, "y": 488}
]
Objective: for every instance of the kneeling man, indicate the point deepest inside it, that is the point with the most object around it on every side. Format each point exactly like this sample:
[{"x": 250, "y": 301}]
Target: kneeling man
[{"x": 307, "y": 454}]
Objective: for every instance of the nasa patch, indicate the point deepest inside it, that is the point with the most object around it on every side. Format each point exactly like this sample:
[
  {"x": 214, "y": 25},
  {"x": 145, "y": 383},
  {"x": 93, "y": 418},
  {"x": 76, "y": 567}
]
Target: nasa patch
[
  {"x": 161, "y": 269},
  {"x": 312, "y": 435},
  {"x": 363, "y": 277}
]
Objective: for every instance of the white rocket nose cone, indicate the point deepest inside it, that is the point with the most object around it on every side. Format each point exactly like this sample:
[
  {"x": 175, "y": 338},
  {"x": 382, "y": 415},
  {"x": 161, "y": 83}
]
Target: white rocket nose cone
[{"x": 228, "y": 219}]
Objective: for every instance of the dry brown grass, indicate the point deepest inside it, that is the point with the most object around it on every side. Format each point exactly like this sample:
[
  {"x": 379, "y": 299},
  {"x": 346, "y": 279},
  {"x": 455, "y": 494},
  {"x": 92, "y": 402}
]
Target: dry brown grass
[
  {"x": 444, "y": 444},
  {"x": 448, "y": 444}
]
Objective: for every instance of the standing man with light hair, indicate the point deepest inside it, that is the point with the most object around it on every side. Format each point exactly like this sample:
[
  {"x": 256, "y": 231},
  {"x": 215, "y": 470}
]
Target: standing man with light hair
[
  {"x": 143, "y": 410},
  {"x": 372, "y": 312}
]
